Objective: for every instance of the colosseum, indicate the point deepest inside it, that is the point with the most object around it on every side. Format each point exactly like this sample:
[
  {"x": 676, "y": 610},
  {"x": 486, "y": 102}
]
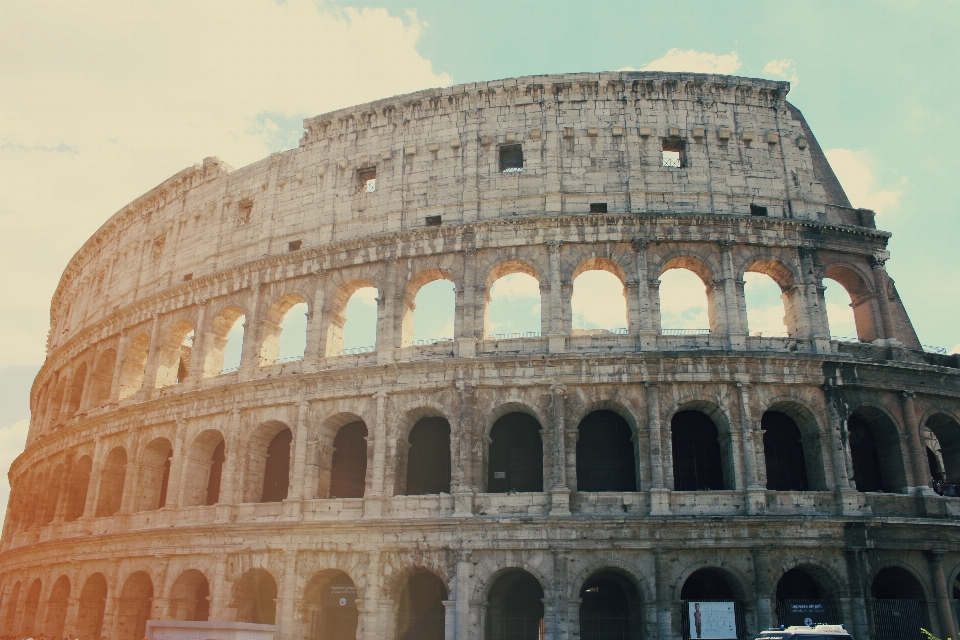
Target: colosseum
[{"x": 633, "y": 482}]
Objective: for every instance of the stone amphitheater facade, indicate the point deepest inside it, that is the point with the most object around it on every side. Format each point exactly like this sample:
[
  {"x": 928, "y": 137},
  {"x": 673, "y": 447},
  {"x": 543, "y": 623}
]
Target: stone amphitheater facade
[{"x": 155, "y": 485}]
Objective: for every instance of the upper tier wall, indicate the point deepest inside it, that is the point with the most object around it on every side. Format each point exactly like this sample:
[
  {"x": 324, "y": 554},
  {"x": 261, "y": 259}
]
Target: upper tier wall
[{"x": 586, "y": 138}]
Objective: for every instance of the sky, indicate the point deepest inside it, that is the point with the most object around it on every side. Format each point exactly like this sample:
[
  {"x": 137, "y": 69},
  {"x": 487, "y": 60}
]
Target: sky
[{"x": 100, "y": 101}]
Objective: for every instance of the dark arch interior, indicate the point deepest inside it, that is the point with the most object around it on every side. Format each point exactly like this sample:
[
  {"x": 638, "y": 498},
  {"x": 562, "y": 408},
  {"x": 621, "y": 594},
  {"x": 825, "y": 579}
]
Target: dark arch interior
[
  {"x": 57, "y": 607},
  {"x": 516, "y": 607},
  {"x": 256, "y": 596},
  {"x": 697, "y": 461},
  {"x": 605, "y": 459},
  {"x": 349, "y": 472},
  {"x": 797, "y": 584},
  {"x": 93, "y": 599},
  {"x": 216, "y": 473},
  {"x": 936, "y": 471},
  {"x": 867, "y": 473},
  {"x": 896, "y": 583},
  {"x": 610, "y": 608},
  {"x": 137, "y": 598},
  {"x": 428, "y": 459},
  {"x": 330, "y": 607},
  {"x": 947, "y": 432},
  {"x": 783, "y": 452},
  {"x": 516, "y": 455},
  {"x": 77, "y": 489},
  {"x": 707, "y": 584},
  {"x": 276, "y": 472},
  {"x": 189, "y": 595},
  {"x": 421, "y": 614}
]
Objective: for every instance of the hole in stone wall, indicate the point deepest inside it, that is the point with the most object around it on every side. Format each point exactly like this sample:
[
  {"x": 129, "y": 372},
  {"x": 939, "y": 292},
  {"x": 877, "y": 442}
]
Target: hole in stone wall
[
  {"x": 511, "y": 158},
  {"x": 433, "y": 221},
  {"x": 367, "y": 180},
  {"x": 673, "y": 153},
  {"x": 294, "y": 245},
  {"x": 757, "y": 210},
  {"x": 598, "y": 207}
]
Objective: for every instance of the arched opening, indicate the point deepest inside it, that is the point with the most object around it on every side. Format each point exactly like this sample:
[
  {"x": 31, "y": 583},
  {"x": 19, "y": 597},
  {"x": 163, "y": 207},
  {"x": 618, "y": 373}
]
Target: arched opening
[
  {"x": 93, "y": 600},
  {"x": 428, "y": 459},
  {"x": 352, "y": 319},
  {"x": 76, "y": 389},
  {"x": 30, "y": 606},
  {"x": 77, "y": 489},
  {"x": 174, "y": 354},
  {"x": 687, "y": 298},
  {"x": 599, "y": 300},
  {"x": 154, "y": 475},
  {"x": 12, "y": 608},
  {"x": 429, "y": 308},
  {"x": 285, "y": 330},
  {"x": 330, "y": 607},
  {"x": 34, "y": 507},
  {"x": 56, "y": 402},
  {"x": 190, "y": 597},
  {"x": 103, "y": 378},
  {"x": 57, "y": 608},
  {"x": 801, "y": 600},
  {"x": 224, "y": 342},
  {"x": 421, "y": 613},
  {"x": 605, "y": 453},
  {"x": 51, "y": 496},
  {"x": 943, "y": 440},
  {"x": 783, "y": 453},
  {"x": 513, "y": 302},
  {"x": 515, "y": 461},
  {"x": 697, "y": 459},
  {"x": 610, "y": 608},
  {"x": 875, "y": 450},
  {"x": 348, "y": 470},
  {"x": 861, "y": 301},
  {"x": 276, "y": 473},
  {"x": 712, "y": 606},
  {"x": 134, "y": 367},
  {"x": 255, "y": 597},
  {"x": 136, "y": 599},
  {"x": 204, "y": 469},
  {"x": 899, "y": 605},
  {"x": 111, "y": 482},
  {"x": 515, "y": 610},
  {"x": 840, "y": 319},
  {"x": 773, "y": 304}
]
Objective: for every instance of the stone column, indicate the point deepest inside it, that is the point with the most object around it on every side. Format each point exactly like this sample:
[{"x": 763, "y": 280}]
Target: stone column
[
  {"x": 175, "y": 479},
  {"x": 756, "y": 494},
  {"x": 65, "y": 483},
  {"x": 464, "y": 570},
  {"x": 316, "y": 342},
  {"x": 372, "y": 503},
  {"x": 153, "y": 356},
  {"x": 372, "y": 629},
  {"x": 762, "y": 587},
  {"x": 816, "y": 309},
  {"x": 735, "y": 327},
  {"x": 663, "y": 595},
  {"x": 659, "y": 493},
  {"x": 219, "y": 591},
  {"x": 197, "y": 355},
  {"x": 389, "y": 308},
  {"x": 918, "y": 450},
  {"x": 858, "y": 602},
  {"x": 88, "y": 381},
  {"x": 73, "y": 612},
  {"x": 466, "y": 317},
  {"x": 93, "y": 489},
  {"x": 250, "y": 352},
  {"x": 948, "y": 628},
  {"x": 287, "y": 596},
  {"x": 881, "y": 283},
  {"x": 122, "y": 348},
  {"x": 556, "y": 339},
  {"x": 230, "y": 489},
  {"x": 559, "y": 492},
  {"x": 461, "y": 454},
  {"x": 449, "y": 619},
  {"x": 131, "y": 476}
]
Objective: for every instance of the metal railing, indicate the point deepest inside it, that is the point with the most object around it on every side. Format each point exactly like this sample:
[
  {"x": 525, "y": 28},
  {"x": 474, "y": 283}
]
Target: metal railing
[
  {"x": 685, "y": 332},
  {"x": 354, "y": 350},
  {"x": 930, "y": 349},
  {"x": 770, "y": 334},
  {"x": 619, "y": 331},
  {"x": 229, "y": 369},
  {"x": 513, "y": 336},
  {"x": 430, "y": 341},
  {"x": 290, "y": 358},
  {"x": 848, "y": 338}
]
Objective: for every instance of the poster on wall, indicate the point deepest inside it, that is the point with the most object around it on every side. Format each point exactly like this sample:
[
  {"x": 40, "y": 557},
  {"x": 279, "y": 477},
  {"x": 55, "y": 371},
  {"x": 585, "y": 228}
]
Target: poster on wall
[{"x": 712, "y": 620}]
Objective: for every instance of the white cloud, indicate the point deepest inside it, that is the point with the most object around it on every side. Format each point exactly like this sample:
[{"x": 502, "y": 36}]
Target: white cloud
[
  {"x": 12, "y": 441},
  {"x": 102, "y": 101},
  {"x": 695, "y": 61},
  {"x": 784, "y": 69},
  {"x": 857, "y": 178},
  {"x": 365, "y": 296},
  {"x": 955, "y": 349},
  {"x": 515, "y": 285},
  {"x": 683, "y": 301},
  {"x": 598, "y": 301}
]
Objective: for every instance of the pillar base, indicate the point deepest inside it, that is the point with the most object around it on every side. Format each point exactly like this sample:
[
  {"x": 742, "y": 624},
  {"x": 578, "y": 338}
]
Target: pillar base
[
  {"x": 226, "y": 513},
  {"x": 737, "y": 341},
  {"x": 756, "y": 501},
  {"x": 292, "y": 509},
  {"x": 659, "y": 502},
  {"x": 648, "y": 340},
  {"x": 386, "y": 355},
  {"x": 557, "y": 343},
  {"x": 821, "y": 345},
  {"x": 372, "y": 508},
  {"x": 560, "y": 502},
  {"x": 463, "y": 505},
  {"x": 850, "y": 502},
  {"x": 466, "y": 348}
]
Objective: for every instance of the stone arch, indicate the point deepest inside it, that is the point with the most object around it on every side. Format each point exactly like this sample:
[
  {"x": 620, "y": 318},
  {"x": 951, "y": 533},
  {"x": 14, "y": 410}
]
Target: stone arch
[
  {"x": 204, "y": 461},
  {"x": 254, "y": 597},
  {"x": 714, "y": 410},
  {"x": 56, "y": 400},
  {"x": 830, "y": 583},
  {"x": 350, "y": 461},
  {"x": 945, "y": 428},
  {"x": 77, "y": 383},
  {"x": 707, "y": 274},
  {"x": 410, "y": 291},
  {"x": 57, "y": 603},
  {"x": 520, "y": 433},
  {"x": 336, "y": 314},
  {"x": 134, "y": 366},
  {"x": 501, "y": 270},
  {"x": 39, "y": 407},
  {"x": 811, "y": 437},
  {"x": 408, "y": 417},
  {"x": 585, "y": 570},
  {"x": 419, "y": 605},
  {"x": 734, "y": 581},
  {"x": 52, "y": 495},
  {"x": 607, "y": 456},
  {"x": 134, "y": 607},
  {"x": 112, "y": 479},
  {"x": 216, "y": 339},
  {"x": 190, "y": 596},
  {"x": 514, "y": 598},
  {"x": 511, "y": 404},
  {"x": 873, "y": 431},
  {"x": 610, "y": 599},
  {"x": 154, "y": 475},
  {"x": 856, "y": 284},
  {"x": 328, "y": 605},
  {"x": 173, "y": 359},
  {"x": 794, "y": 307},
  {"x": 100, "y": 387},
  {"x": 93, "y": 600},
  {"x": 29, "y": 621},
  {"x": 265, "y": 465},
  {"x": 34, "y": 504},
  {"x": 77, "y": 489},
  {"x": 272, "y": 326},
  {"x": 13, "y": 606},
  {"x": 324, "y": 451},
  {"x": 608, "y": 265}
]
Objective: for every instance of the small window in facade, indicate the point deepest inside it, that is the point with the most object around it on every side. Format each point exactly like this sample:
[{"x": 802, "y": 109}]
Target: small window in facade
[
  {"x": 598, "y": 207},
  {"x": 757, "y": 210},
  {"x": 511, "y": 158},
  {"x": 433, "y": 221},
  {"x": 673, "y": 153},
  {"x": 367, "y": 180},
  {"x": 294, "y": 245}
]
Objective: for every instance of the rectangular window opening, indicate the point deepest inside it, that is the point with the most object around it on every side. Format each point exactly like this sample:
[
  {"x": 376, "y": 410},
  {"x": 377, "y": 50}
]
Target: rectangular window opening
[
  {"x": 673, "y": 153},
  {"x": 294, "y": 245},
  {"x": 511, "y": 158},
  {"x": 367, "y": 180},
  {"x": 433, "y": 221},
  {"x": 757, "y": 210},
  {"x": 598, "y": 207}
]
